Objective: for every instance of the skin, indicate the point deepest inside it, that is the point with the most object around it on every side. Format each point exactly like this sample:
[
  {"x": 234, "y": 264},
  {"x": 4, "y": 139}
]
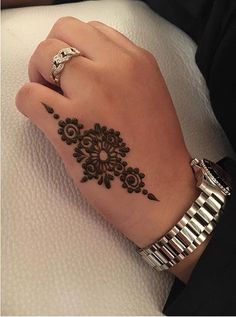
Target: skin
[{"x": 119, "y": 85}]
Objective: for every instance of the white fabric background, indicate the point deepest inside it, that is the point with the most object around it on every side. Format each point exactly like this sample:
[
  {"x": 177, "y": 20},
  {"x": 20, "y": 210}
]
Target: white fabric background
[{"x": 59, "y": 257}]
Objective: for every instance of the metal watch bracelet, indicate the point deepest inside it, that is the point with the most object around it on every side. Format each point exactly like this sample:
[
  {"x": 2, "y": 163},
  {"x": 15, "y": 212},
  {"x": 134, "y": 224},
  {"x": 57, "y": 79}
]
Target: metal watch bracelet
[{"x": 190, "y": 232}]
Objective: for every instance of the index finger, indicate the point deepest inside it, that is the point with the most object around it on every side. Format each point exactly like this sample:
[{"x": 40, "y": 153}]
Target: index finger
[{"x": 92, "y": 43}]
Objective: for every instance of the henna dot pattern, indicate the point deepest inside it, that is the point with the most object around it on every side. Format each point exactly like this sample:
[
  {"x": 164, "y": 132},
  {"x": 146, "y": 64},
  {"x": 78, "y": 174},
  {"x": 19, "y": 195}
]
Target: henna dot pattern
[{"x": 101, "y": 152}]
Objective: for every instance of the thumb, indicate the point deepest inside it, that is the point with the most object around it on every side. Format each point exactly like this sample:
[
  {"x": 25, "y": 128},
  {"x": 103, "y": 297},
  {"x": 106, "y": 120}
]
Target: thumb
[
  {"x": 32, "y": 96},
  {"x": 45, "y": 108}
]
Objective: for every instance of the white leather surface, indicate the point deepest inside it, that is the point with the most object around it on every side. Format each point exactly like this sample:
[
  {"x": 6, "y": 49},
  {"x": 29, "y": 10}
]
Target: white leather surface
[{"x": 58, "y": 256}]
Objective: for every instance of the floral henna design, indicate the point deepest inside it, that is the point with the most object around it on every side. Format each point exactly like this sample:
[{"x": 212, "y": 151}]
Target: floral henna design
[
  {"x": 69, "y": 130},
  {"x": 101, "y": 151}
]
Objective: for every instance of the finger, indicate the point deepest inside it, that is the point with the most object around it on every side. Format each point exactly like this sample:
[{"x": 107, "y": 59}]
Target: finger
[
  {"x": 49, "y": 111},
  {"x": 114, "y": 35},
  {"x": 33, "y": 99},
  {"x": 92, "y": 43},
  {"x": 40, "y": 66}
]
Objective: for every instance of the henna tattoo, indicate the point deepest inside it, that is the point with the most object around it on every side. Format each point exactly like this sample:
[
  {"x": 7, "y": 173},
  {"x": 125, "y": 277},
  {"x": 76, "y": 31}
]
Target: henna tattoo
[
  {"x": 101, "y": 151},
  {"x": 69, "y": 130},
  {"x": 132, "y": 180}
]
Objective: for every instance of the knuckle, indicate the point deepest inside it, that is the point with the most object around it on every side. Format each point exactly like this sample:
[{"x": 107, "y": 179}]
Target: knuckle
[
  {"x": 61, "y": 22},
  {"x": 146, "y": 56},
  {"x": 44, "y": 45},
  {"x": 131, "y": 65},
  {"x": 25, "y": 93},
  {"x": 139, "y": 63},
  {"x": 130, "y": 61},
  {"x": 95, "y": 23}
]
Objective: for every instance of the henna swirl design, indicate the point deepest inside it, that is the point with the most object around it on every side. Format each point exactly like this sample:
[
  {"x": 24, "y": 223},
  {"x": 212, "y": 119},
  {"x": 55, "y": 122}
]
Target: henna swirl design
[
  {"x": 69, "y": 130},
  {"x": 132, "y": 180},
  {"x": 101, "y": 151}
]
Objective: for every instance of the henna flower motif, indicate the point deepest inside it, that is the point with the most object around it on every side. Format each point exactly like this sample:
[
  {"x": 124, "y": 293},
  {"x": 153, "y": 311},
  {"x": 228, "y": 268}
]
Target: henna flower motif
[
  {"x": 90, "y": 138},
  {"x": 69, "y": 130},
  {"x": 132, "y": 180},
  {"x": 102, "y": 160},
  {"x": 101, "y": 152},
  {"x": 102, "y": 149}
]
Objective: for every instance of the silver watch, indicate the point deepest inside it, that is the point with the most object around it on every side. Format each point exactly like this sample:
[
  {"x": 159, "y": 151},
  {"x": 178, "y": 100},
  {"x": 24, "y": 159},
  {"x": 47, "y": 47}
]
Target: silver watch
[{"x": 198, "y": 221}]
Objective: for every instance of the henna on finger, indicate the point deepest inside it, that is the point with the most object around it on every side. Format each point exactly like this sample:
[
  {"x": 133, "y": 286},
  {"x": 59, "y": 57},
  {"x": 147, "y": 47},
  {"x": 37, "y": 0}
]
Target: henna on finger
[{"x": 100, "y": 151}]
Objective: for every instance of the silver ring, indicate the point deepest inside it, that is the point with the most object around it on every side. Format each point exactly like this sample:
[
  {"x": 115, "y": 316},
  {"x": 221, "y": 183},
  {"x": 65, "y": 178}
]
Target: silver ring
[{"x": 59, "y": 60}]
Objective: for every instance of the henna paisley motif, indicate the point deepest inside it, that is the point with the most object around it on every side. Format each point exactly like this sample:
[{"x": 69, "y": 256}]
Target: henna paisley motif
[{"x": 101, "y": 151}]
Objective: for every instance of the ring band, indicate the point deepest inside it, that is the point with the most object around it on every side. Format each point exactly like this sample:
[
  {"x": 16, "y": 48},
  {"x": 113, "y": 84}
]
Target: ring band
[{"x": 59, "y": 60}]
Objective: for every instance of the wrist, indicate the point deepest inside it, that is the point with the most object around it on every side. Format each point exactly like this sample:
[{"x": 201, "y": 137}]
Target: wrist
[
  {"x": 184, "y": 268},
  {"x": 181, "y": 247},
  {"x": 177, "y": 195}
]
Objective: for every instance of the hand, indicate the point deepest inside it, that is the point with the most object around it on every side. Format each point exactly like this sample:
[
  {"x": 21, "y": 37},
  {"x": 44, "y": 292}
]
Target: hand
[{"x": 116, "y": 85}]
